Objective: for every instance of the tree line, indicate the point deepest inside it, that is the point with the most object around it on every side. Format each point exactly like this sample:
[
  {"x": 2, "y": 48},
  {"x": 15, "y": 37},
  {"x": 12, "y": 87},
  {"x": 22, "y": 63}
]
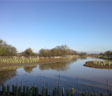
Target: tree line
[
  {"x": 107, "y": 53},
  {"x": 9, "y": 50}
]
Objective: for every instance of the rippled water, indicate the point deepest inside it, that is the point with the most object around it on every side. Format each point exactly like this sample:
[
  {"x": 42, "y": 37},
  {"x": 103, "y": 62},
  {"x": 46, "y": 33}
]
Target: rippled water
[{"x": 67, "y": 75}]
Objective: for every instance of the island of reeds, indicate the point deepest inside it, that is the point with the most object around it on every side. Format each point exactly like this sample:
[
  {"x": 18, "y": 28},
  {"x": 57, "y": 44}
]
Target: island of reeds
[{"x": 99, "y": 64}]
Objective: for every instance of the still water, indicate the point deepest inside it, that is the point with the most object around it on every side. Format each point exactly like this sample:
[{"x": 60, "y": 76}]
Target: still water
[{"x": 67, "y": 75}]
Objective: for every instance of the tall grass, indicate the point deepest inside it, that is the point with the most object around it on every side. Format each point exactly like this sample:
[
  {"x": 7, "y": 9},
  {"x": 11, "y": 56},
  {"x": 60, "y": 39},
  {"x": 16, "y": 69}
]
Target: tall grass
[
  {"x": 99, "y": 64},
  {"x": 19, "y": 60},
  {"x": 102, "y": 63}
]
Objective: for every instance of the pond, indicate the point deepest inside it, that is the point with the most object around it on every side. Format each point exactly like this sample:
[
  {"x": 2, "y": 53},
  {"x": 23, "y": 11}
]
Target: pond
[{"x": 68, "y": 75}]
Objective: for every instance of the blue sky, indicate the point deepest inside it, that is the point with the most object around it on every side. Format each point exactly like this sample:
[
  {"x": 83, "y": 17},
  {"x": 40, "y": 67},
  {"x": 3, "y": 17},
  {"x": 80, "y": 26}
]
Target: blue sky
[{"x": 84, "y": 25}]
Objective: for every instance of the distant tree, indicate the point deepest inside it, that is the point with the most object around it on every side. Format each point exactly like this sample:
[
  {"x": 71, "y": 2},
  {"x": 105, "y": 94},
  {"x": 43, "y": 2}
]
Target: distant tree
[
  {"x": 101, "y": 54},
  {"x": 45, "y": 52},
  {"x": 6, "y": 49},
  {"x": 82, "y": 53},
  {"x": 29, "y": 52},
  {"x": 108, "y": 53},
  {"x": 62, "y": 47},
  {"x": 54, "y": 52},
  {"x": 1, "y": 43},
  {"x": 57, "y": 51}
]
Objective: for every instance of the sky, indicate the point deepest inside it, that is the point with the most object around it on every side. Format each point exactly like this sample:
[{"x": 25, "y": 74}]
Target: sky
[{"x": 83, "y": 25}]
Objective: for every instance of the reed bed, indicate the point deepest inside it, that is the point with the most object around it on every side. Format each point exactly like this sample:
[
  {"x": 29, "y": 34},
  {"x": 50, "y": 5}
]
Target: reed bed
[
  {"x": 19, "y": 60},
  {"x": 23, "y": 60},
  {"x": 102, "y": 62},
  {"x": 34, "y": 91},
  {"x": 99, "y": 64}
]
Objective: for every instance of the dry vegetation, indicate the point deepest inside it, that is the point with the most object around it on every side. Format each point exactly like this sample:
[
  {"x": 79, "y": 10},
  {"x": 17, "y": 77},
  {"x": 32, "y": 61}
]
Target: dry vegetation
[{"x": 99, "y": 64}]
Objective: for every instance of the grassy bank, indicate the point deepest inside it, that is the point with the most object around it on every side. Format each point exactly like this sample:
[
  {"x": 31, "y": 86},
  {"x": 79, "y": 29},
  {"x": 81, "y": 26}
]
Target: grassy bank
[
  {"x": 30, "y": 60},
  {"x": 55, "y": 59},
  {"x": 12, "y": 63},
  {"x": 105, "y": 57},
  {"x": 99, "y": 64},
  {"x": 18, "y": 60}
]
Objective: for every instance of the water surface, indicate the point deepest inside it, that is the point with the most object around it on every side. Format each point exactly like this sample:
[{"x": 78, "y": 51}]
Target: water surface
[{"x": 68, "y": 75}]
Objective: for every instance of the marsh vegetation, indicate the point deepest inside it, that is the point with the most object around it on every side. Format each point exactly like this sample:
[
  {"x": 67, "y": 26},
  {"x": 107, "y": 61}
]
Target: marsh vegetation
[
  {"x": 47, "y": 66},
  {"x": 54, "y": 75},
  {"x": 18, "y": 60},
  {"x": 99, "y": 64}
]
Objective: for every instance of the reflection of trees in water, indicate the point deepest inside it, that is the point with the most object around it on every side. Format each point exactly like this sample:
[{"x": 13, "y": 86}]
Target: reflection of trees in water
[
  {"x": 6, "y": 67},
  {"x": 29, "y": 69},
  {"x": 62, "y": 66},
  {"x": 83, "y": 57},
  {"x": 11, "y": 72},
  {"x": 6, "y": 75}
]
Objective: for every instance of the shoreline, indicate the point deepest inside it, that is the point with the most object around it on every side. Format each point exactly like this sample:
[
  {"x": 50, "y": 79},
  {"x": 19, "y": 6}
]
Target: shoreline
[{"x": 45, "y": 60}]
